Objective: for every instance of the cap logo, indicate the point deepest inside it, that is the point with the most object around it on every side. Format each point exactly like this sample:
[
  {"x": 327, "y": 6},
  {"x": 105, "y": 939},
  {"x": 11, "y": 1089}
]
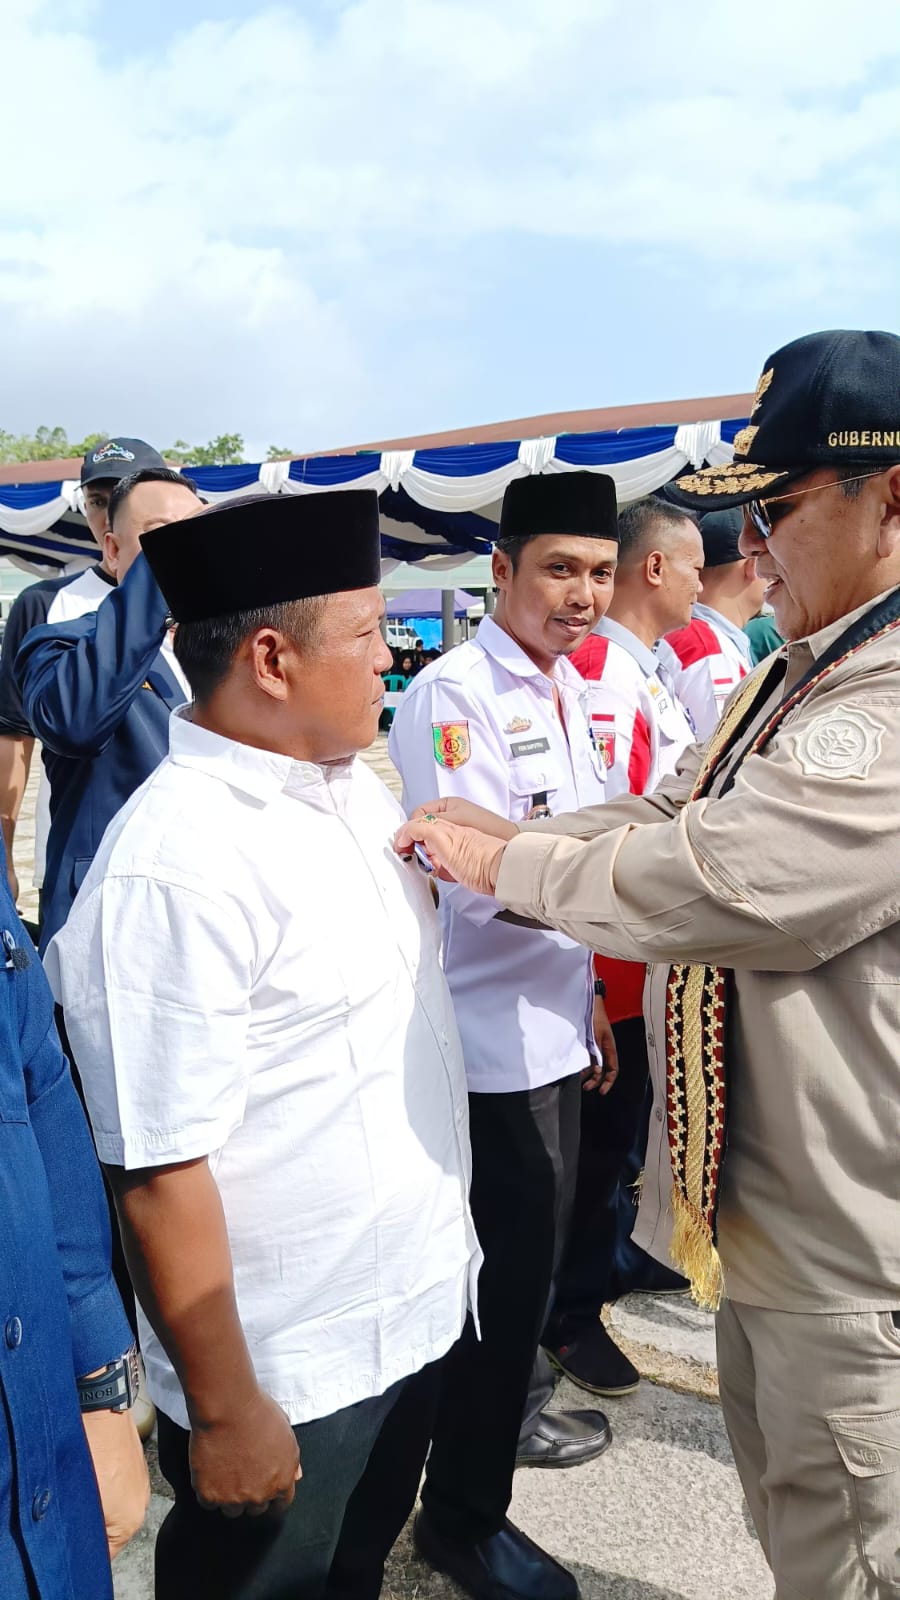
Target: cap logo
[
  {"x": 112, "y": 452},
  {"x": 865, "y": 437}
]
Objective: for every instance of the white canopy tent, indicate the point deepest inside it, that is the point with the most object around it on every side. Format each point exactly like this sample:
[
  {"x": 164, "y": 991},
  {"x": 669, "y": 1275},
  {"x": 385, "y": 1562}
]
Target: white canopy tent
[{"x": 439, "y": 507}]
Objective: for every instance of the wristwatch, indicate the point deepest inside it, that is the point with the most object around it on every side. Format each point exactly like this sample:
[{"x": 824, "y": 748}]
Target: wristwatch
[
  {"x": 113, "y": 1389},
  {"x": 600, "y": 988}
]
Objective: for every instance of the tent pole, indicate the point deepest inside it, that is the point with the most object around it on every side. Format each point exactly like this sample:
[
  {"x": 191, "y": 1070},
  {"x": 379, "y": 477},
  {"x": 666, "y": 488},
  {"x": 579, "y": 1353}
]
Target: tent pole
[{"x": 448, "y": 624}]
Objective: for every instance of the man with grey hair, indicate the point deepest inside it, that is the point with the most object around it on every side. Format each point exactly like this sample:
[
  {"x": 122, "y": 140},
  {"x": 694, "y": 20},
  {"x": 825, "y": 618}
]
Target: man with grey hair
[{"x": 761, "y": 882}]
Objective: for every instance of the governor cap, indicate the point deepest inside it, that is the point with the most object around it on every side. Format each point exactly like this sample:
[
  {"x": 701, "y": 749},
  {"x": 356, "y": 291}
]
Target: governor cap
[{"x": 826, "y": 400}]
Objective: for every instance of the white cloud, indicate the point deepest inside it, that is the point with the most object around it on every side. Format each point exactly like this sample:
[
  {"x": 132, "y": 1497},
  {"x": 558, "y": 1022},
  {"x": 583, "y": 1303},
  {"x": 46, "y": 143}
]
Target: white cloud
[{"x": 255, "y": 213}]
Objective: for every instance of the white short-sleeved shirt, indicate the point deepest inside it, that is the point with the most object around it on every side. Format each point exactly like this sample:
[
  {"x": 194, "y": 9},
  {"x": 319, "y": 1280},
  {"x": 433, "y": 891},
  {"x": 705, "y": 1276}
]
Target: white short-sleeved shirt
[
  {"x": 481, "y": 724},
  {"x": 639, "y": 726},
  {"x": 640, "y": 730},
  {"x": 707, "y": 660},
  {"x": 250, "y": 973}
]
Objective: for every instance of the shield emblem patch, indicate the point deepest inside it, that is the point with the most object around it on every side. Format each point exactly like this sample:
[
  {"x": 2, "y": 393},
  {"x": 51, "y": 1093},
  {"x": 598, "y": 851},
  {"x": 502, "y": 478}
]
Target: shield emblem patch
[
  {"x": 451, "y": 744},
  {"x": 603, "y": 733}
]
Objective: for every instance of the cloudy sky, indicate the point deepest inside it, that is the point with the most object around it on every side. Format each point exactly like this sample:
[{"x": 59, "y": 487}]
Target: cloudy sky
[{"x": 329, "y": 221}]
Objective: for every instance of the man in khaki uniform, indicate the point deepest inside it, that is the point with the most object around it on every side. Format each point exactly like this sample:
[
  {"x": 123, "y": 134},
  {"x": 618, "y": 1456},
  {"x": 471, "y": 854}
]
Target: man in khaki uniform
[{"x": 766, "y": 870}]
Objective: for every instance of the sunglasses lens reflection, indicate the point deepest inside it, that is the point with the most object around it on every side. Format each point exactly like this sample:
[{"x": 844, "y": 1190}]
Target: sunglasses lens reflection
[{"x": 759, "y": 518}]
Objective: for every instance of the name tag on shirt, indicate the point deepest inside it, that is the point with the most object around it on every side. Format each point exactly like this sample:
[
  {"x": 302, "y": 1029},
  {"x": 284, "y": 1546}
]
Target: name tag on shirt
[{"x": 530, "y": 747}]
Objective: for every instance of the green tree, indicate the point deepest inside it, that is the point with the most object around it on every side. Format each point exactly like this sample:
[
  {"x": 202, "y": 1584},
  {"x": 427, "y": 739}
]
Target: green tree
[
  {"x": 54, "y": 444},
  {"x": 277, "y": 454},
  {"x": 46, "y": 444},
  {"x": 227, "y": 450},
  {"x": 88, "y": 443}
]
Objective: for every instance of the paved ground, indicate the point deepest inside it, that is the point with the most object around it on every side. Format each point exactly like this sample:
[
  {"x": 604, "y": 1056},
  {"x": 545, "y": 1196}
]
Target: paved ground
[{"x": 659, "y": 1517}]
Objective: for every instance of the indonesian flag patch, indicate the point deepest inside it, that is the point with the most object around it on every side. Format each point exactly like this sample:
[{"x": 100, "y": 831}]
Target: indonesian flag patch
[
  {"x": 603, "y": 729},
  {"x": 452, "y": 748}
]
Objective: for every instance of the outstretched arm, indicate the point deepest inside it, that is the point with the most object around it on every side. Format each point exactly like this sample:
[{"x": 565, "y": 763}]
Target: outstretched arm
[
  {"x": 78, "y": 678},
  {"x": 741, "y": 881}
]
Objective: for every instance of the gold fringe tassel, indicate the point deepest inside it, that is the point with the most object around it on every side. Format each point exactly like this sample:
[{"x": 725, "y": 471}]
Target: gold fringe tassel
[{"x": 694, "y": 1253}]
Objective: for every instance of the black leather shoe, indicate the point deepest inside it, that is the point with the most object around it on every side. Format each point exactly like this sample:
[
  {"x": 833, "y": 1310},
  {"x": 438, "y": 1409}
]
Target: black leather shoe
[
  {"x": 506, "y": 1566},
  {"x": 594, "y": 1361},
  {"x": 663, "y": 1280},
  {"x": 565, "y": 1439},
  {"x": 654, "y": 1278}
]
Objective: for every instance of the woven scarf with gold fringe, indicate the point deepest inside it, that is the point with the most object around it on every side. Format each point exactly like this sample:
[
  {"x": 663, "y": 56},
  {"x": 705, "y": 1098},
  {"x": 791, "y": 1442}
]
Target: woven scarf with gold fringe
[{"x": 697, "y": 997}]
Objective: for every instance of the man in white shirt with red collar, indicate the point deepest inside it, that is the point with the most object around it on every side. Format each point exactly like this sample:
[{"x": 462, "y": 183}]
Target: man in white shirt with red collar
[
  {"x": 500, "y": 720},
  {"x": 641, "y": 730},
  {"x": 639, "y": 724},
  {"x": 711, "y": 655},
  {"x": 252, "y": 984}
]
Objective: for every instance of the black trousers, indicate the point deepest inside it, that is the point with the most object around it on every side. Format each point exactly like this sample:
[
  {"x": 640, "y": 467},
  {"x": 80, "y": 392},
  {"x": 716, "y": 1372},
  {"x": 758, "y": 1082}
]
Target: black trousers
[
  {"x": 599, "y": 1260},
  {"x": 361, "y": 1470},
  {"x": 524, "y": 1164}
]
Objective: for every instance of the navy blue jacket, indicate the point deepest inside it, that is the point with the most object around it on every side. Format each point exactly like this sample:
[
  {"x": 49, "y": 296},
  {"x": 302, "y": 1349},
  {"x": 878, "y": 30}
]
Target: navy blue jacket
[
  {"x": 60, "y": 1315},
  {"x": 98, "y": 694},
  {"x": 28, "y": 610}
]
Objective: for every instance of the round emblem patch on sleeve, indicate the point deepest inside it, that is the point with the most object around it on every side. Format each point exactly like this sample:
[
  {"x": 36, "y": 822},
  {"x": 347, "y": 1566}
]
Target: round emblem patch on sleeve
[{"x": 843, "y": 743}]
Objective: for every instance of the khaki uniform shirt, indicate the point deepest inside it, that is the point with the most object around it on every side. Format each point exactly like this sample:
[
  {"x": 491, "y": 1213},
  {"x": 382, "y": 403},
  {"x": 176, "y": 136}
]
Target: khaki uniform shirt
[{"x": 792, "y": 880}]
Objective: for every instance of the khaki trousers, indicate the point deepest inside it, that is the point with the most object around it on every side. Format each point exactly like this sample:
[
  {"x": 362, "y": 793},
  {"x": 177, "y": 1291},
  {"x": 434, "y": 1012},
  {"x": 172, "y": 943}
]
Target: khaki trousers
[{"x": 812, "y": 1407}]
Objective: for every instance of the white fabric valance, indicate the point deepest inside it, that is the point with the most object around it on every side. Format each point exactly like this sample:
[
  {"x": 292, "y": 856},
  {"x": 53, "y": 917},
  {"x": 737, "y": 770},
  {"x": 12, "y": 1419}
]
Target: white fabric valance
[{"x": 436, "y": 505}]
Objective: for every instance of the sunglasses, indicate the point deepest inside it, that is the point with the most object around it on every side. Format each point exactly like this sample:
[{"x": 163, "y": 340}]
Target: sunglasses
[{"x": 761, "y": 517}]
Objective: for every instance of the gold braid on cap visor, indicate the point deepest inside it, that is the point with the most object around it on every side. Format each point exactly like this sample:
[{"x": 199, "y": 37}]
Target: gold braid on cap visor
[{"x": 740, "y": 477}]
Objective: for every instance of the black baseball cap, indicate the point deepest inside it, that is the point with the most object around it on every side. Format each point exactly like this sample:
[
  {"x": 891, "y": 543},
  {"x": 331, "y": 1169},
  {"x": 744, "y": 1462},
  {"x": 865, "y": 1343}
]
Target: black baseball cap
[
  {"x": 119, "y": 458},
  {"x": 720, "y": 532},
  {"x": 826, "y": 400}
]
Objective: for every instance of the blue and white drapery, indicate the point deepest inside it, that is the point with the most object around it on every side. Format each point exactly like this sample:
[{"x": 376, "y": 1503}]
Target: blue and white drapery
[{"x": 438, "y": 507}]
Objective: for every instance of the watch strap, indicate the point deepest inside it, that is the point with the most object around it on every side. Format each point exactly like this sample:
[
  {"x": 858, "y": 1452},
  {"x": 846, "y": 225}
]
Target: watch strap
[{"x": 113, "y": 1389}]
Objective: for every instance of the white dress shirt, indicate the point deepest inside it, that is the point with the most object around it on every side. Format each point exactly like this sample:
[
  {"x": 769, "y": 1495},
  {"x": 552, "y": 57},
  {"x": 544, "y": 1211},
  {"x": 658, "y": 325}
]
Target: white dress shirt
[
  {"x": 707, "y": 660},
  {"x": 521, "y": 995},
  {"x": 639, "y": 726},
  {"x": 249, "y": 973},
  {"x": 640, "y": 731}
]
